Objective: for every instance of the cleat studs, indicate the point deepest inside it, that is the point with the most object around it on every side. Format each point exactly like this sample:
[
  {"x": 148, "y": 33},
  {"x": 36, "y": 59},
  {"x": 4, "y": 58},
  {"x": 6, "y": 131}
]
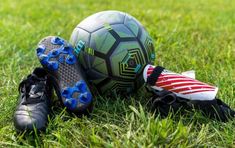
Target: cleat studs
[
  {"x": 57, "y": 41},
  {"x": 66, "y": 93},
  {"x": 81, "y": 85},
  {"x": 66, "y": 49},
  {"x": 53, "y": 65},
  {"x": 43, "y": 56},
  {"x": 55, "y": 53},
  {"x": 75, "y": 97},
  {"x": 67, "y": 102},
  {"x": 71, "y": 59},
  {"x": 71, "y": 103},
  {"x": 85, "y": 98},
  {"x": 44, "y": 59},
  {"x": 41, "y": 49}
]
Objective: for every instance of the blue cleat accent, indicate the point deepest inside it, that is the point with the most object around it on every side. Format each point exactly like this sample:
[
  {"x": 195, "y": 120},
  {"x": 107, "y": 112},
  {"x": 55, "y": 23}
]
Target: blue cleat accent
[
  {"x": 44, "y": 59},
  {"x": 67, "y": 50},
  {"x": 71, "y": 59},
  {"x": 41, "y": 49},
  {"x": 67, "y": 103},
  {"x": 71, "y": 103},
  {"x": 54, "y": 53},
  {"x": 85, "y": 97},
  {"x": 81, "y": 85},
  {"x": 53, "y": 65},
  {"x": 57, "y": 41},
  {"x": 66, "y": 93}
]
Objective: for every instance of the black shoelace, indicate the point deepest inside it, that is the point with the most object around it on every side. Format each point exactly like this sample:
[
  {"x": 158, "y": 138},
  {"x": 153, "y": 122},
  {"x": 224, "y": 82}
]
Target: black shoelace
[{"x": 32, "y": 96}]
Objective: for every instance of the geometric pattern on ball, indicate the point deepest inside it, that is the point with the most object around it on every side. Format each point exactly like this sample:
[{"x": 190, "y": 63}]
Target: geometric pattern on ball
[
  {"x": 118, "y": 86},
  {"x": 117, "y": 47},
  {"x": 148, "y": 44},
  {"x": 125, "y": 54},
  {"x": 130, "y": 65},
  {"x": 121, "y": 87}
]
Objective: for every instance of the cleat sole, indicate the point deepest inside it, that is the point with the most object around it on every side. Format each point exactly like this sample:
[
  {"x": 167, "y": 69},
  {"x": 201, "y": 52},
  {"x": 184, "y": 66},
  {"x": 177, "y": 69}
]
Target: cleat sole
[{"x": 57, "y": 57}]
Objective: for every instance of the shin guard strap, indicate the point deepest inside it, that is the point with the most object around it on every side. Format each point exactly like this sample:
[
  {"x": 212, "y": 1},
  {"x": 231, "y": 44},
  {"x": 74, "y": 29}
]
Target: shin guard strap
[{"x": 152, "y": 79}]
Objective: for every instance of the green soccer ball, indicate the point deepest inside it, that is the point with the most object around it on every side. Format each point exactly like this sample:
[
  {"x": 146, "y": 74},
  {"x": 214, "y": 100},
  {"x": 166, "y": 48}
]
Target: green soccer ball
[{"x": 113, "y": 48}]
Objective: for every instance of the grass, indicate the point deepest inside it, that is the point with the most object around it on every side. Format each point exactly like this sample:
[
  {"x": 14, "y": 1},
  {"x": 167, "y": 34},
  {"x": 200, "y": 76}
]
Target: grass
[{"x": 188, "y": 35}]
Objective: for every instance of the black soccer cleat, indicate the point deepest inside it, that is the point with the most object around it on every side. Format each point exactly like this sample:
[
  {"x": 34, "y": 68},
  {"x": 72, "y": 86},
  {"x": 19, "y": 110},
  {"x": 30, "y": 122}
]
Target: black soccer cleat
[
  {"x": 34, "y": 103},
  {"x": 58, "y": 58}
]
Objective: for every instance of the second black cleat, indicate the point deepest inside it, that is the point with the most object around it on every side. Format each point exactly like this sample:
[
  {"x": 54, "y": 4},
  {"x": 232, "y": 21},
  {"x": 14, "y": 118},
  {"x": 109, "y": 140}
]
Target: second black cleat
[{"x": 34, "y": 103}]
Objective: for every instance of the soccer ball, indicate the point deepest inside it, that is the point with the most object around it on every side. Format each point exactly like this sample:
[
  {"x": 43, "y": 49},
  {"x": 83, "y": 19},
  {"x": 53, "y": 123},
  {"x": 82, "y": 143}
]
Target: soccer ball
[{"x": 113, "y": 48}]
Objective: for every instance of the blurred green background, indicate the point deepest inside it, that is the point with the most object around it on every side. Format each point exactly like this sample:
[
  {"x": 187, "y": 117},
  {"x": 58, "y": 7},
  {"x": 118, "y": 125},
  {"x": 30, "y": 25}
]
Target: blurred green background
[{"x": 188, "y": 35}]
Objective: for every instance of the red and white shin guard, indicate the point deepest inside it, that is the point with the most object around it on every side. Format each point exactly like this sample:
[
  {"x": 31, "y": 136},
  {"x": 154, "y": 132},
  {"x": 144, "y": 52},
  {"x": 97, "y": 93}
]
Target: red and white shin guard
[{"x": 182, "y": 86}]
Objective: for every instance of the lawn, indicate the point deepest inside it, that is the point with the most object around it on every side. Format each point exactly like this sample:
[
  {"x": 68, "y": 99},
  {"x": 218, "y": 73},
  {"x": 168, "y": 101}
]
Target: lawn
[{"x": 188, "y": 35}]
